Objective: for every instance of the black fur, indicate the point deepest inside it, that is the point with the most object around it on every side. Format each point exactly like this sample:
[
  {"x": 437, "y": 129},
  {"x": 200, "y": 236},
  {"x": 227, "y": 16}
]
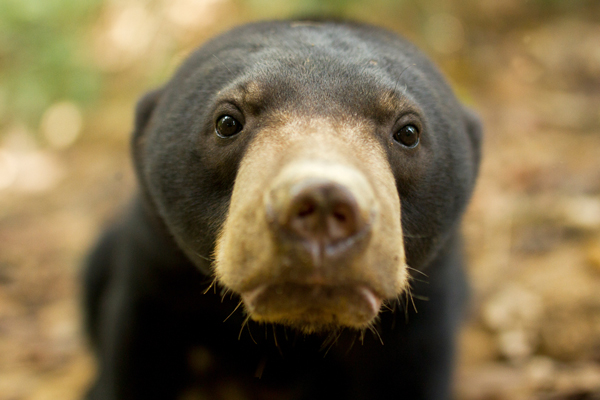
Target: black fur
[{"x": 145, "y": 282}]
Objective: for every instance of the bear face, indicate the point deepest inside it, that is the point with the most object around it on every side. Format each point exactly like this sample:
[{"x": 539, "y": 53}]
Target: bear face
[{"x": 316, "y": 163}]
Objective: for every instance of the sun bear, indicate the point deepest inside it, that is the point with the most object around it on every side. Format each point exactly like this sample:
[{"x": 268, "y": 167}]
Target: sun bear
[{"x": 296, "y": 232}]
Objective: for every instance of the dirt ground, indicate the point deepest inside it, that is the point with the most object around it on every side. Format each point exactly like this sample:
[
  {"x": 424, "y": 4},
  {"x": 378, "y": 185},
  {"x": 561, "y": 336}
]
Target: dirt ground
[{"x": 532, "y": 230}]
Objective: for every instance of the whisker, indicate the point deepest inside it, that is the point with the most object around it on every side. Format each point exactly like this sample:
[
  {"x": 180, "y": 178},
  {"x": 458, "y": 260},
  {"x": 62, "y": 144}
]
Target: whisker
[
  {"x": 222, "y": 63},
  {"x": 332, "y": 341},
  {"x": 412, "y": 300},
  {"x": 331, "y": 337},
  {"x": 395, "y": 303},
  {"x": 234, "y": 310},
  {"x": 417, "y": 271},
  {"x": 405, "y": 307},
  {"x": 375, "y": 332},
  {"x": 250, "y": 332},
  {"x": 405, "y": 301},
  {"x": 224, "y": 293},
  {"x": 204, "y": 257},
  {"x": 400, "y": 77},
  {"x": 275, "y": 338},
  {"x": 387, "y": 306},
  {"x": 242, "y": 327},
  {"x": 352, "y": 344},
  {"x": 211, "y": 285},
  {"x": 279, "y": 349}
]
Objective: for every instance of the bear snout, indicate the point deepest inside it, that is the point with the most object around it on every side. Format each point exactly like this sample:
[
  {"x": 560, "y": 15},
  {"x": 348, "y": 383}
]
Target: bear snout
[{"x": 313, "y": 237}]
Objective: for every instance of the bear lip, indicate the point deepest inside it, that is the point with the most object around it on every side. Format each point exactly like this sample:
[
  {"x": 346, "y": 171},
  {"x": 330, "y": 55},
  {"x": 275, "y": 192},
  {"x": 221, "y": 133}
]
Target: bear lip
[{"x": 315, "y": 306}]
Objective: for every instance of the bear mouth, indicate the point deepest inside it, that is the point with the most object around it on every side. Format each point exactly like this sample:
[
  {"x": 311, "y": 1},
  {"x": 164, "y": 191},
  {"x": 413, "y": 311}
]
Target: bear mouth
[{"x": 313, "y": 307}]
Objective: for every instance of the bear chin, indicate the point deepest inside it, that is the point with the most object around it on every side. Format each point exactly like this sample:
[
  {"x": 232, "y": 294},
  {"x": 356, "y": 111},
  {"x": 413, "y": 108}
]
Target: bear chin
[{"x": 313, "y": 308}]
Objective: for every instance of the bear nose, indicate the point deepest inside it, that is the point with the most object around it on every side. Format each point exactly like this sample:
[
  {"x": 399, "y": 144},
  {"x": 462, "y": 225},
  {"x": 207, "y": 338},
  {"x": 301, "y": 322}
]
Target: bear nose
[
  {"x": 320, "y": 212},
  {"x": 325, "y": 212}
]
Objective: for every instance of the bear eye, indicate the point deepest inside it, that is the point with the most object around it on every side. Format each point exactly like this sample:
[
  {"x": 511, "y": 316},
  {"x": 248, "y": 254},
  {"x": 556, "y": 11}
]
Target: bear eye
[
  {"x": 227, "y": 126},
  {"x": 407, "y": 136}
]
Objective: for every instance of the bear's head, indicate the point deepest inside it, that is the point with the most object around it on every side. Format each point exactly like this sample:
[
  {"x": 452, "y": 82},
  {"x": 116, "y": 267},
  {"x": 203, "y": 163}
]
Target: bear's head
[{"x": 312, "y": 162}]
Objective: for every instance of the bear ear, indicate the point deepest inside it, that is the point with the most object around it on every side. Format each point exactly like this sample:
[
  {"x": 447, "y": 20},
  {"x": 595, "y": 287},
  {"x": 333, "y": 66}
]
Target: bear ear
[
  {"x": 475, "y": 132},
  {"x": 143, "y": 111},
  {"x": 143, "y": 114}
]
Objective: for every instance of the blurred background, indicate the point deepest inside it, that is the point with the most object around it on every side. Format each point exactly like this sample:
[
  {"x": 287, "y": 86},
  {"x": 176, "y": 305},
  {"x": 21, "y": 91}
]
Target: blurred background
[{"x": 71, "y": 71}]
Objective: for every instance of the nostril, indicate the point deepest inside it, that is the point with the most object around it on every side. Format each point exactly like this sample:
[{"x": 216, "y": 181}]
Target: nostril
[
  {"x": 303, "y": 218},
  {"x": 341, "y": 223},
  {"x": 341, "y": 213},
  {"x": 340, "y": 217},
  {"x": 306, "y": 208}
]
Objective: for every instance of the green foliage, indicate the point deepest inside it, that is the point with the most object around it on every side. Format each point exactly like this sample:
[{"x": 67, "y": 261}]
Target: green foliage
[
  {"x": 43, "y": 56},
  {"x": 284, "y": 9}
]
